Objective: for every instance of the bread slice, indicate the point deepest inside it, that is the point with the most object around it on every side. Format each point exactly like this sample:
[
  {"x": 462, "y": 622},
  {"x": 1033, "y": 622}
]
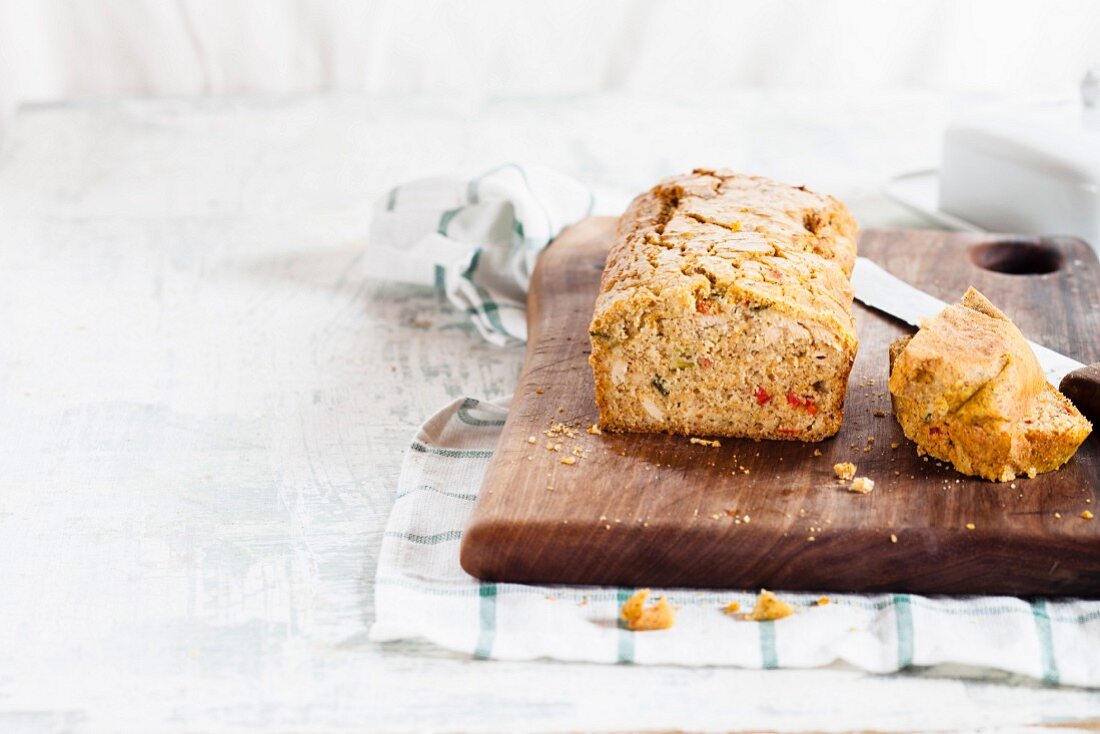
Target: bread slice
[
  {"x": 967, "y": 389},
  {"x": 725, "y": 309}
]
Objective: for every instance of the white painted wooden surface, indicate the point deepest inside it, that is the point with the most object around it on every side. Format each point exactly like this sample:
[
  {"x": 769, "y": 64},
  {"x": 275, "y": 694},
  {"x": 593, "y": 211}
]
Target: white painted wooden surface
[{"x": 204, "y": 400}]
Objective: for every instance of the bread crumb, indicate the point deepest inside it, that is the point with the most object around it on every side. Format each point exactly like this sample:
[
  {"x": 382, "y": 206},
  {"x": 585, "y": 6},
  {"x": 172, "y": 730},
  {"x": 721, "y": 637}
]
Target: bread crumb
[
  {"x": 1031, "y": 472},
  {"x": 893, "y": 538},
  {"x": 557, "y": 429},
  {"x": 705, "y": 442},
  {"x": 1087, "y": 514},
  {"x": 732, "y": 608},
  {"x": 817, "y": 452},
  {"x": 870, "y": 439},
  {"x": 862, "y": 485},
  {"x": 595, "y": 430},
  {"x": 1057, "y": 516},
  {"x": 970, "y": 526},
  {"x": 539, "y": 391},
  {"x": 845, "y": 470},
  {"x": 640, "y": 618},
  {"x": 531, "y": 439},
  {"x": 823, "y": 601},
  {"x": 569, "y": 460},
  {"x": 880, "y": 414},
  {"x": 894, "y": 445},
  {"x": 811, "y": 539},
  {"x": 769, "y": 607}
]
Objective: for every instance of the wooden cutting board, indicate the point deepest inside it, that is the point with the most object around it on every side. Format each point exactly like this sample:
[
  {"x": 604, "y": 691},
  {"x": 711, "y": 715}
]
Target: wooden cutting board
[{"x": 656, "y": 510}]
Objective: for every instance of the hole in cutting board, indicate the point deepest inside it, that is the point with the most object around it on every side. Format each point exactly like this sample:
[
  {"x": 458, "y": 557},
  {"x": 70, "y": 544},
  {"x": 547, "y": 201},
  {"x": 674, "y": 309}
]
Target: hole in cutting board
[{"x": 1017, "y": 257}]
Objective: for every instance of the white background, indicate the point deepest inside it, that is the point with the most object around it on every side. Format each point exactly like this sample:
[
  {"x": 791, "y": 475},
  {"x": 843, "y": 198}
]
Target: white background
[
  {"x": 54, "y": 50},
  {"x": 205, "y": 398}
]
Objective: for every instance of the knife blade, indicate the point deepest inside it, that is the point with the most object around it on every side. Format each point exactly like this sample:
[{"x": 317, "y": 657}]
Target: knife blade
[{"x": 880, "y": 290}]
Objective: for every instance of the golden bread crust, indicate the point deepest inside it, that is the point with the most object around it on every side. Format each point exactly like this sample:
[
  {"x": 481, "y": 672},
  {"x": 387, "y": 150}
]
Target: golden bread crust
[
  {"x": 967, "y": 389},
  {"x": 714, "y": 278}
]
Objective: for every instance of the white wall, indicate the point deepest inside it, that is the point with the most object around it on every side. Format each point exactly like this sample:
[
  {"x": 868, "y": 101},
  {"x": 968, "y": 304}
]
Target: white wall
[{"x": 61, "y": 49}]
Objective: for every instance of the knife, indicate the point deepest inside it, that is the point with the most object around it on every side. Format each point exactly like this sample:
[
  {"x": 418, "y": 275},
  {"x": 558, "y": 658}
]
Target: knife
[{"x": 887, "y": 293}]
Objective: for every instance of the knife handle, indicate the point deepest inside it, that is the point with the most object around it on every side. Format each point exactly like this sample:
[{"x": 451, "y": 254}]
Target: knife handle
[{"x": 1082, "y": 387}]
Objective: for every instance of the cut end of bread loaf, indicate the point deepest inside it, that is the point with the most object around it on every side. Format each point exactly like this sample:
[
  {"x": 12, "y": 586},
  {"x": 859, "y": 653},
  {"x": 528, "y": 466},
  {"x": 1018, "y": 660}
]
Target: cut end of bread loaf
[
  {"x": 725, "y": 309},
  {"x": 967, "y": 389}
]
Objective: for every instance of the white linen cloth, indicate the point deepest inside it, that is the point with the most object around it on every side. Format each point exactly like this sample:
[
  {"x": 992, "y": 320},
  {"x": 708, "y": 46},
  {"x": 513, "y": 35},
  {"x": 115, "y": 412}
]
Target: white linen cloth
[
  {"x": 422, "y": 592},
  {"x": 477, "y": 238}
]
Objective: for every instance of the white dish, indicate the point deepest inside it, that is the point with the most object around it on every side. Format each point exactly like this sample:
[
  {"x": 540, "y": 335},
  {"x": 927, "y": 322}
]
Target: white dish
[
  {"x": 1030, "y": 169},
  {"x": 920, "y": 191}
]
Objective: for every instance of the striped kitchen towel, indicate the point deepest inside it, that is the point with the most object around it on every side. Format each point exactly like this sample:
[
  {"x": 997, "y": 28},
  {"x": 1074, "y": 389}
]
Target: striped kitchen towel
[
  {"x": 476, "y": 237},
  {"x": 422, "y": 592}
]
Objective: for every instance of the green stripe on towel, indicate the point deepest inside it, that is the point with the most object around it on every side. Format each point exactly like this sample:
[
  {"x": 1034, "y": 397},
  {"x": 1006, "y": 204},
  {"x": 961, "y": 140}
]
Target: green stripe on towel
[
  {"x": 903, "y": 616},
  {"x": 451, "y": 453},
  {"x": 488, "y": 306},
  {"x": 445, "y": 220},
  {"x": 428, "y": 488},
  {"x": 626, "y": 637},
  {"x": 1051, "y": 676},
  {"x": 487, "y": 620},
  {"x": 435, "y": 539},
  {"x": 769, "y": 657},
  {"x": 465, "y": 416},
  {"x": 472, "y": 194}
]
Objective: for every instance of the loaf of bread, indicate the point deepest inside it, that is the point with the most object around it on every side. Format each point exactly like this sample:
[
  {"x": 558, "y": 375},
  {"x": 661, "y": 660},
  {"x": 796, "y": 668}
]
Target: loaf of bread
[
  {"x": 725, "y": 309},
  {"x": 967, "y": 389}
]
